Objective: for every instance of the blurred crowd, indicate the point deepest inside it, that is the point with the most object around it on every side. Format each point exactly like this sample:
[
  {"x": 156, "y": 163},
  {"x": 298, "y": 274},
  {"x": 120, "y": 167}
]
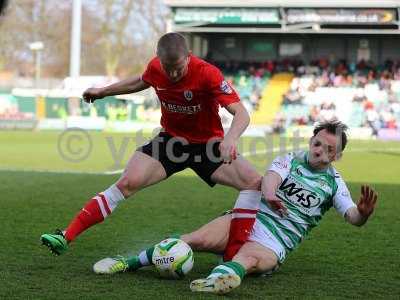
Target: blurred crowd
[
  {"x": 372, "y": 92},
  {"x": 248, "y": 79},
  {"x": 361, "y": 94}
]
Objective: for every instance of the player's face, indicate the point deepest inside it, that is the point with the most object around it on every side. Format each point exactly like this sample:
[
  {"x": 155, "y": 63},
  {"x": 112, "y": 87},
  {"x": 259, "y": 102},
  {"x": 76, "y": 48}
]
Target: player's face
[
  {"x": 175, "y": 69},
  {"x": 323, "y": 149}
]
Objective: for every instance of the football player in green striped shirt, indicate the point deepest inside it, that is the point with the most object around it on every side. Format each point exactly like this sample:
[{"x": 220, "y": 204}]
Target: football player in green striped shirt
[{"x": 298, "y": 189}]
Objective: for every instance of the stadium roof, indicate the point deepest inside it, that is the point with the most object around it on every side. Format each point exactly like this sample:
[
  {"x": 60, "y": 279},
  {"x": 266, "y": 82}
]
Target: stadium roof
[
  {"x": 286, "y": 16},
  {"x": 285, "y": 3}
]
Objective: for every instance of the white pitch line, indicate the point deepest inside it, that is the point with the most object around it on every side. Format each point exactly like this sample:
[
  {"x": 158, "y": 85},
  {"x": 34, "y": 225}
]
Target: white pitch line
[
  {"x": 113, "y": 172},
  {"x": 246, "y": 154}
]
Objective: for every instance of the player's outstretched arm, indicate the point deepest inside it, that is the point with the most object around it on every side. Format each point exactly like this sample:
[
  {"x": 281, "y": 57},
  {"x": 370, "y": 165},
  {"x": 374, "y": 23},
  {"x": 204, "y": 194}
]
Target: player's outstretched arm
[
  {"x": 127, "y": 86},
  {"x": 359, "y": 215}
]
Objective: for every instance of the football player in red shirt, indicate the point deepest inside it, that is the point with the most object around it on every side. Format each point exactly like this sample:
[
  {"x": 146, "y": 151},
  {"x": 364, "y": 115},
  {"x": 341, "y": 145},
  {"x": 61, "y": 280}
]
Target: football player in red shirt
[{"x": 190, "y": 91}]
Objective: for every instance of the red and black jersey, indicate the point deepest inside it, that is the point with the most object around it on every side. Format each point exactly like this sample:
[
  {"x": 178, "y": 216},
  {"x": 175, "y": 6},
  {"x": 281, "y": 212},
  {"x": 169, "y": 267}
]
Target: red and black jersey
[{"x": 189, "y": 107}]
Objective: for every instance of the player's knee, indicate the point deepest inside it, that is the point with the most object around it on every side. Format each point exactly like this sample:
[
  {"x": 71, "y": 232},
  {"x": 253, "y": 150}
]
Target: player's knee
[
  {"x": 252, "y": 182},
  {"x": 251, "y": 260},
  {"x": 267, "y": 263},
  {"x": 128, "y": 185},
  {"x": 199, "y": 241}
]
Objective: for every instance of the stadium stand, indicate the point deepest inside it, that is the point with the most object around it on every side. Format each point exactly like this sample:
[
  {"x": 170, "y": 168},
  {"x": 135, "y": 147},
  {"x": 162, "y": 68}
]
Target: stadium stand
[
  {"x": 293, "y": 64},
  {"x": 359, "y": 94}
]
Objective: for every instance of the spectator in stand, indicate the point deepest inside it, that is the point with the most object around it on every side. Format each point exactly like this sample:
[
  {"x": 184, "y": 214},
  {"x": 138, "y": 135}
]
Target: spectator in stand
[
  {"x": 326, "y": 72},
  {"x": 368, "y": 104},
  {"x": 327, "y": 112},
  {"x": 359, "y": 96},
  {"x": 278, "y": 125},
  {"x": 292, "y": 97},
  {"x": 372, "y": 120},
  {"x": 314, "y": 115},
  {"x": 269, "y": 66},
  {"x": 388, "y": 119},
  {"x": 392, "y": 97},
  {"x": 385, "y": 81}
]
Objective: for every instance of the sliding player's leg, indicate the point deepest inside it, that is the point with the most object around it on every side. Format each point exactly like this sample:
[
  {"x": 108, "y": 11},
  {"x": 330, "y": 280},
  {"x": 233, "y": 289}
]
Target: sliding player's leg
[
  {"x": 260, "y": 254},
  {"x": 251, "y": 258},
  {"x": 241, "y": 175},
  {"x": 211, "y": 237}
]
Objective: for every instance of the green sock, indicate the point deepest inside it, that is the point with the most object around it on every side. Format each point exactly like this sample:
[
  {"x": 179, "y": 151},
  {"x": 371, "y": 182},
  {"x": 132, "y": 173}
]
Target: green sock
[
  {"x": 144, "y": 258},
  {"x": 149, "y": 255},
  {"x": 230, "y": 267}
]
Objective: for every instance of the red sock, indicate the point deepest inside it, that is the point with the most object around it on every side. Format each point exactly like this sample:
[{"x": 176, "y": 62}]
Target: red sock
[
  {"x": 94, "y": 212},
  {"x": 241, "y": 226}
]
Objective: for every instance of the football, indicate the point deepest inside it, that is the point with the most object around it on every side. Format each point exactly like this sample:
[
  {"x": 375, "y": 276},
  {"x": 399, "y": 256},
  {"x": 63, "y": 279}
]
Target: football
[{"x": 173, "y": 258}]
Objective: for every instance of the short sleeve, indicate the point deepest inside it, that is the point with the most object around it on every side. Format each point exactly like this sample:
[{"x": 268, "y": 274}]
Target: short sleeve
[
  {"x": 342, "y": 200},
  {"x": 281, "y": 165},
  {"x": 148, "y": 75},
  {"x": 220, "y": 89}
]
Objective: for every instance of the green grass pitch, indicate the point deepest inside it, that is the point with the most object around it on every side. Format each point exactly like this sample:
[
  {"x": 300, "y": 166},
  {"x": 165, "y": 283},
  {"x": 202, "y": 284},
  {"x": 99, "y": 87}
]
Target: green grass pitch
[{"x": 336, "y": 261}]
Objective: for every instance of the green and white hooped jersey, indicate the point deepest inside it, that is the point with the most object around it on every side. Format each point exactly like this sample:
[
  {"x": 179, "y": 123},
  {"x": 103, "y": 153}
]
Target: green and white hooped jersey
[{"x": 307, "y": 194}]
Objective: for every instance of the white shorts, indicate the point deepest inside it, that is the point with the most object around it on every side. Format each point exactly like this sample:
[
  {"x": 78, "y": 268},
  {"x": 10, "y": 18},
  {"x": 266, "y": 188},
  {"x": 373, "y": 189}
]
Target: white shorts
[{"x": 263, "y": 236}]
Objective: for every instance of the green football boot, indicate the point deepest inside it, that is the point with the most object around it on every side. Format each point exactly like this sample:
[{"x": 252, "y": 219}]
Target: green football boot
[{"x": 56, "y": 242}]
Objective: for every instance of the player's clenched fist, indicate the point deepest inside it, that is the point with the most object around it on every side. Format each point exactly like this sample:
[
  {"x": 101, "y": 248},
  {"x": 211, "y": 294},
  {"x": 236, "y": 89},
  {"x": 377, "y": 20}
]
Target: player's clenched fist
[
  {"x": 91, "y": 94},
  {"x": 228, "y": 150}
]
